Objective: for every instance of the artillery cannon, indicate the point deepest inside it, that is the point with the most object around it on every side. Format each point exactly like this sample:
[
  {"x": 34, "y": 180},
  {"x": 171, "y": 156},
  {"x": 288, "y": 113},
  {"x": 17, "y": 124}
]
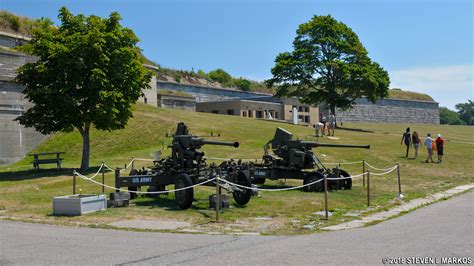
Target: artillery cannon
[
  {"x": 184, "y": 168},
  {"x": 294, "y": 159}
]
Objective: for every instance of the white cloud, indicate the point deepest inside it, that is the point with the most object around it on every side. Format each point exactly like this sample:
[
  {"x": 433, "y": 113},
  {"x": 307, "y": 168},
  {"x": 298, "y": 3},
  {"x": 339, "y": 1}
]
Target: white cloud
[{"x": 448, "y": 85}]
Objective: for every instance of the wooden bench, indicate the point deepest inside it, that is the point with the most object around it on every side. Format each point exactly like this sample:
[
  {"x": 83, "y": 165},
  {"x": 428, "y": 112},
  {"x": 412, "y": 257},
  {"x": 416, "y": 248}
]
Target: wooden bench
[{"x": 52, "y": 159}]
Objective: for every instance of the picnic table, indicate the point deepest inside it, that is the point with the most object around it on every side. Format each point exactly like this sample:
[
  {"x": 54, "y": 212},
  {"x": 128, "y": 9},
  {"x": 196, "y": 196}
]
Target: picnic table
[{"x": 49, "y": 159}]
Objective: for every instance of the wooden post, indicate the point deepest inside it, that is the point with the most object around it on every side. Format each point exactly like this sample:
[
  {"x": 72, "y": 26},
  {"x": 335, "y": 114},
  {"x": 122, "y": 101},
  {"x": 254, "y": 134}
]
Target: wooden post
[
  {"x": 368, "y": 188},
  {"x": 326, "y": 215},
  {"x": 363, "y": 171},
  {"x": 218, "y": 197},
  {"x": 103, "y": 177},
  {"x": 74, "y": 183}
]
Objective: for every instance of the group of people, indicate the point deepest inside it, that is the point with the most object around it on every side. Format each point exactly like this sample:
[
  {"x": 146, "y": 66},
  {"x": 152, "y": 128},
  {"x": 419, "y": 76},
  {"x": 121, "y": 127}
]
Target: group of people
[
  {"x": 326, "y": 124},
  {"x": 430, "y": 143}
]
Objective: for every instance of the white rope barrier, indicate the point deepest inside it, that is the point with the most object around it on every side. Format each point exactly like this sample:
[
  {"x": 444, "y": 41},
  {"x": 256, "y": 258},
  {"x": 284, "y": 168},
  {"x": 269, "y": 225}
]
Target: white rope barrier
[
  {"x": 379, "y": 169},
  {"x": 270, "y": 189},
  {"x": 343, "y": 163},
  {"x": 228, "y": 159},
  {"x": 387, "y": 172},
  {"x": 143, "y": 192},
  {"x": 93, "y": 176}
]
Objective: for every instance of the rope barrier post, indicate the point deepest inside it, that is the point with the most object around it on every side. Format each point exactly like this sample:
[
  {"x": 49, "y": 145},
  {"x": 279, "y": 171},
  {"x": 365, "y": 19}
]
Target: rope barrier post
[
  {"x": 363, "y": 171},
  {"x": 218, "y": 197},
  {"x": 133, "y": 163},
  {"x": 117, "y": 176},
  {"x": 368, "y": 188},
  {"x": 103, "y": 177},
  {"x": 74, "y": 183},
  {"x": 400, "y": 195},
  {"x": 326, "y": 214}
]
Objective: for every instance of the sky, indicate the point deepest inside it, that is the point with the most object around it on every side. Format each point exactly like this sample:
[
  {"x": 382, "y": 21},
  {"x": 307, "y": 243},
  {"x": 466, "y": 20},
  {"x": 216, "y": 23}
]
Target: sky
[{"x": 426, "y": 46}]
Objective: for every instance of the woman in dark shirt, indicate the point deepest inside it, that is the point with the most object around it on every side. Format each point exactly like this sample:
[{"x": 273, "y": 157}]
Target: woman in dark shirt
[
  {"x": 416, "y": 143},
  {"x": 407, "y": 139}
]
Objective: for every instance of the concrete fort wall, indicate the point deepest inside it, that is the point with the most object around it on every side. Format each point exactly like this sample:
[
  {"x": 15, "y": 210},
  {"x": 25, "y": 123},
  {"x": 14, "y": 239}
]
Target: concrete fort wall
[
  {"x": 392, "y": 111},
  {"x": 207, "y": 94}
]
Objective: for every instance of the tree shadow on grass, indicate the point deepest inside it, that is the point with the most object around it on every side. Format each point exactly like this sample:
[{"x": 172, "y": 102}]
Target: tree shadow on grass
[{"x": 48, "y": 172}]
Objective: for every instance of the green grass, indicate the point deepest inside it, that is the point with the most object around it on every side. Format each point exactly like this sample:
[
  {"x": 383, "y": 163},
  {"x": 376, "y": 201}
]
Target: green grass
[
  {"x": 27, "y": 195},
  {"x": 408, "y": 95}
]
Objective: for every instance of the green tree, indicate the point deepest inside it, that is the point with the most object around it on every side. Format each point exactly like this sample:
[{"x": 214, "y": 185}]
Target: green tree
[
  {"x": 220, "y": 76},
  {"x": 243, "y": 84},
  {"x": 449, "y": 117},
  {"x": 328, "y": 65},
  {"x": 88, "y": 74},
  {"x": 466, "y": 112}
]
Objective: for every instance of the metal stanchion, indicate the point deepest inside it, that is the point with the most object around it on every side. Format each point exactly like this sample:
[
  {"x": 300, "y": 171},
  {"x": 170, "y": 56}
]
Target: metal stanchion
[
  {"x": 400, "y": 195},
  {"x": 74, "y": 183},
  {"x": 368, "y": 188},
  {"x": 326, "y": 215},
  {"x": 363, "y": 171},
  {"x": 218, "y": 197},
  {"x": 103, "y": 177}
]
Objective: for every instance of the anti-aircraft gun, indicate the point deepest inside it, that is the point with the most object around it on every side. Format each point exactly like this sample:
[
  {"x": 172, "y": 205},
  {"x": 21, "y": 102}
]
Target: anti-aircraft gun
[
  {"x": 294, "y": 159},
  {"x": 186, "y": 167}
]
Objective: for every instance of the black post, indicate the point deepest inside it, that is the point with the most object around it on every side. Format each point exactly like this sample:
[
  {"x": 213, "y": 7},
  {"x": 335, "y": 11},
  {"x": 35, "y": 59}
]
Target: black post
[
  {"x": 103, "y": 177},
  {"x": 218, "y": 197},
  {"x": 363, "y": 171},
  {"x": 400, "y": 195},
  {"x": 74, "y": 183},
  {"x": 368, "y": 188},
  {"x": 117, "y": 176},
  {"x": 326, "y": 198}
]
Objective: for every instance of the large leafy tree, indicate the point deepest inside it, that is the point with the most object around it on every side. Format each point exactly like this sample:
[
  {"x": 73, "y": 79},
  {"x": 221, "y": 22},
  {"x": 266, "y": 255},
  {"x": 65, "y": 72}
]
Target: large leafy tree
[
  {"x": 88, "y": 74},
  {"x": 328, "y": 65},
  {"x": 449, "y": 117},
  {"x": 466, "y": 112}
]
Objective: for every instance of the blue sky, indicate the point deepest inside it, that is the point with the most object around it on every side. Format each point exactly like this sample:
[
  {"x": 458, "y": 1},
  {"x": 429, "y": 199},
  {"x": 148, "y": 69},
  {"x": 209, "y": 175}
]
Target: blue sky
[{"x": 426, "y": 46}]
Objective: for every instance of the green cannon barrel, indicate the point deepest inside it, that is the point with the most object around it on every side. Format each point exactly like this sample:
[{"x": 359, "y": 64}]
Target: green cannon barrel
[
  {"x": 316, "y": 144},
  {"x": 212, "y": 142}
]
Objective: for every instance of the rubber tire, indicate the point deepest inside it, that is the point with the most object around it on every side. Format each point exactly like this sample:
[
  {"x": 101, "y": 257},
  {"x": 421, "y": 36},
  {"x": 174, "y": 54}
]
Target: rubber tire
[
  {"x": 184, "y": 198},
  {"x": 133, "y": 195},
  {"x": 310, "y": 178},
  {"x": 347, "y": 184},
  {"x": 239, "y": 197}
]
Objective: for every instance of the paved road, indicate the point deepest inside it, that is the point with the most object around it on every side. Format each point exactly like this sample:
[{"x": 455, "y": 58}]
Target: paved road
[{"x": 440, "y": 230}]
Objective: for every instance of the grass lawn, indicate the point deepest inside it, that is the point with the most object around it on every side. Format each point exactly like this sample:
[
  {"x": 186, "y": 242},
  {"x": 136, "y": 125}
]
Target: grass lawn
[{"x": 27, "y": 195}]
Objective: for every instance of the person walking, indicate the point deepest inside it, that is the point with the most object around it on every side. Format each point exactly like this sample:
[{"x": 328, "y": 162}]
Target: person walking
[
  {"x": 407, "y": 139},
  {"x": 440, "y": 147},
  {"x": 415, "y": 139},
  {"x": 331, "y": 124},
  {"x": 429, "y": 147}
]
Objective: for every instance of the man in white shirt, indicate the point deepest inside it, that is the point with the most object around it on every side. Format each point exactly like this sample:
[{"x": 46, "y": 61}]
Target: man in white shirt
[{"x": 429, "y": 146}]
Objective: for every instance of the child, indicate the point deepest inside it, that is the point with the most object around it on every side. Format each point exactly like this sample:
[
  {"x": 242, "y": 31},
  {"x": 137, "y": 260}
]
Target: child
[{"x": 439, "y": 147}]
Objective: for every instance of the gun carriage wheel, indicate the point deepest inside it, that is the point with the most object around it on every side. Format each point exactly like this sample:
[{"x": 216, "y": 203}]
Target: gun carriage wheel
[
  {"x": 184, "y": 198},
  {"x": 313, "y": 177},
  {"x": 345, "y": 183},
  {"x": 242, "y": 196}
]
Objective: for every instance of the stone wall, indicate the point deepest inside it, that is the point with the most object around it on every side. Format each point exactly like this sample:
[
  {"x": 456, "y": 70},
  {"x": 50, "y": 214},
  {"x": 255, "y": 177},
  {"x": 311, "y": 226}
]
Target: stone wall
[
  {"x": 207, "y": 94},
  {"x": 11, "y": 40},
  {"x": 392, "y": 111}
]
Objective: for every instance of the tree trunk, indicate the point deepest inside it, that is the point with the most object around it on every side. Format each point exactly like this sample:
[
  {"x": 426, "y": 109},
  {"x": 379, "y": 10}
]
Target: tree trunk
[{"x": 85, "y": 147}]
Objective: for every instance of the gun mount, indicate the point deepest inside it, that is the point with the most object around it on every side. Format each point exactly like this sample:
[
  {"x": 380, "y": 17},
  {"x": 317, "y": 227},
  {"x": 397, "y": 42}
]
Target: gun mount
[
  {"x": 186, "y": 167},
  {"x": 295, "y": 159}
]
